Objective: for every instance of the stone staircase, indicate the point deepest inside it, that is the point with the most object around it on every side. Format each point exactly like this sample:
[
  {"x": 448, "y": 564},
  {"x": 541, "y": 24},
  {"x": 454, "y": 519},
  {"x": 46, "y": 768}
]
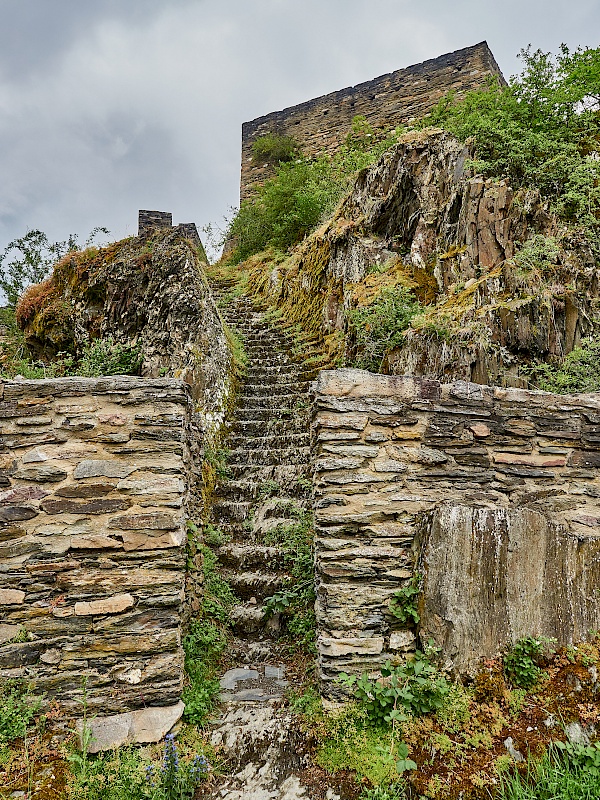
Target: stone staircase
[{"x": 268, "y": 443}]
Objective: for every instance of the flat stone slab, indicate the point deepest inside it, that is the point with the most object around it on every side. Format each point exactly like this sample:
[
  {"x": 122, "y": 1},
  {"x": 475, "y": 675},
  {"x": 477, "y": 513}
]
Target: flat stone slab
[
  {"x": 134, "y": 727},
  {"x": 258, "y": 685},
  {"x": 232, "y": 676},
  {"x": 275, "y": 673}
]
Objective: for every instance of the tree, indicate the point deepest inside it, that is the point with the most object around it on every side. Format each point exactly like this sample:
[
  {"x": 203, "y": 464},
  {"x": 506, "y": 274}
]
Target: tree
[{"x": 30, "y": 258}]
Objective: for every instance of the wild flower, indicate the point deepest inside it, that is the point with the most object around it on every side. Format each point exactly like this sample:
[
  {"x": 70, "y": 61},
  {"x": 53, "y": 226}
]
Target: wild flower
[{"x": 176, "y": 779}]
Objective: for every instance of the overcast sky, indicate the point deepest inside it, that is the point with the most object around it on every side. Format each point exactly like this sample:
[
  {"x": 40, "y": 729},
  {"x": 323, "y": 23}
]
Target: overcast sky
[{"x": 108, "y": 106}]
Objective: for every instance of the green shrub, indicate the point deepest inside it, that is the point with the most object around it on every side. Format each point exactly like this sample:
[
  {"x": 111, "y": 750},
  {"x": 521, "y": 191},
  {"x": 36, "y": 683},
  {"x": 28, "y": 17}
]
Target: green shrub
[
  {"x": 520, "y": 662},
  {"x": 537, "y": 253},
  {"x": 579, "y": 371},
  {"x": 542, "y": 130},
  {"x": 416, "y": 686},
  {"x": 218, "y": 597},
  {"x": 108, "y": 357},
  {"x": 302, "y": 193},
  {"x": 18, "y": 709},
  {"x": 206, "y": 640},
  {"x": 379, "y": 327},
  {"x": 28, "y": 260},
  {"x": 214, "y": 537},
  {"x": 274, "y": 149},
  {"x": 217, "y": 458},
  {"x": 296, "y": 600},
  {"x": 203, "y": 645}
]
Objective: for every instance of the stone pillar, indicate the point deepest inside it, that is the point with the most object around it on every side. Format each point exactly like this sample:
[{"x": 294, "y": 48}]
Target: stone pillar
[{"x": 150, "y": 221}]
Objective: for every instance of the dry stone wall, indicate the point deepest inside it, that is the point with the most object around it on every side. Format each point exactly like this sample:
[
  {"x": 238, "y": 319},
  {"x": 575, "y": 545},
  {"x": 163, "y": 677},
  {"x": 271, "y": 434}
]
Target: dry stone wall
[
  {"x": 94, "y": 480},
  {"x": 491, "y": 494},
  {"x": 321, "y": 125}
]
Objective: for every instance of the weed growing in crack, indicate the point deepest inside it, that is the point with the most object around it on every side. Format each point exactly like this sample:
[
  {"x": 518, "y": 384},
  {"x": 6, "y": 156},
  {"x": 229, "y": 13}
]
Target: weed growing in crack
[
  {"x": 206, "y": 639},
  {"x": 18, "y": 709},
  {"x": 404, "y": 602},
  {"x": 295, "y": 601}
]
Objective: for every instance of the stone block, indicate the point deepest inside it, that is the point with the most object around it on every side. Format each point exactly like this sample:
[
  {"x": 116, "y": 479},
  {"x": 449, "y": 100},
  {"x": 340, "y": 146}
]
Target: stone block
[
  {"x": 402, "y": 641},
  {"x": 10, "y": 597},
  {"x": 90, "y": 468},
  {"x": 8, "y": 632},
  {"x": 156, "y": 520},
  {"x": 45, "y": 474},
  {"x": 109, "y": 605},
  {"x": 135, "y": 727},
  {"x": 350, "y": 646}
]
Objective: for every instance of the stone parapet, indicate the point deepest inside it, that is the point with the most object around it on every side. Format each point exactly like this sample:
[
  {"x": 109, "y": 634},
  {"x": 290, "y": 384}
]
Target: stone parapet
[
  {"x": 94, "y": 480},
  {"x": 491, "y": 494}
]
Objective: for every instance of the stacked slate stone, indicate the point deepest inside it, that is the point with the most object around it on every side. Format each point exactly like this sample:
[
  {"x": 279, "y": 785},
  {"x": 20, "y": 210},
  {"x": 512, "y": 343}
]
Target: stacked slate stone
[
  {"x": 320, "y": 126},
  {"x": 489, "y": 495},
  {"x": 94, "y": 477}
]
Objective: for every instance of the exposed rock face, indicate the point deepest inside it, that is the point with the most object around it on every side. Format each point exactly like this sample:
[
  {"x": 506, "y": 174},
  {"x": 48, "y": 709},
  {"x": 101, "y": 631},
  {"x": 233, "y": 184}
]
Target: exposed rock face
[
  {"x": 421, "y": 219},
  {"x": 489, "y": 493},
  {"x": 460, "y": 235},
  {"x": 150, "y": 292},
  {"x": 494, "y": 575}
]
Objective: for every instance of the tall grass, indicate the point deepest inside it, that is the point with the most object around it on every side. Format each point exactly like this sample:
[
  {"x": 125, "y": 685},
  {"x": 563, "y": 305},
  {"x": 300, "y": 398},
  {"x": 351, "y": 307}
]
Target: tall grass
[{"x": 554, "y": 777}]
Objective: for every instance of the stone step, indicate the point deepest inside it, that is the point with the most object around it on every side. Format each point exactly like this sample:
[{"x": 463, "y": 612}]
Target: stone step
[
  {"x": 283, "y": 474},
  {"x": 270, "y": 427},
  {"x": 251, "y": 650},
  {"x": 269, "y": 369},
  {"x": 227, "y": 510},
  {"x": 249, "y": 617},
  {"x": 248, "y": 490},
  {"x": 270, "y": 441},
  {"x": 273, "y": 389},
  {"x": 277, "y": 378},
  {"x": 263, "y": 413},
  {"x": 269, "y": 355},
  {"x": 267, "y": 457},
  {"x": 292, "y": 401},
  {"x": 237, "y": 491},
  {"x": 243, "y": 556},
  {"x": 258, "y": 584}
]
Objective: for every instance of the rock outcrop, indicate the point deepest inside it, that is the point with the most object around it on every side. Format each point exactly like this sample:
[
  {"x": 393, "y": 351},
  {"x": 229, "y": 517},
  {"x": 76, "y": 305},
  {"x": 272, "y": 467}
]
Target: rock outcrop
[
  {"x": 149, "y": 292},
  {"x": 421, "y": 219}
]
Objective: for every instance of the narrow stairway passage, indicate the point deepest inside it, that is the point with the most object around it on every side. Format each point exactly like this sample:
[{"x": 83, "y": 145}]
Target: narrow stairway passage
[{"x": 263, "y": 511}]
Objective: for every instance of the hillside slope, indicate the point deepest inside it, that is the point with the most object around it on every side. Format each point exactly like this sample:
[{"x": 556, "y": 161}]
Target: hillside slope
[{"x": 502, "y": 283}]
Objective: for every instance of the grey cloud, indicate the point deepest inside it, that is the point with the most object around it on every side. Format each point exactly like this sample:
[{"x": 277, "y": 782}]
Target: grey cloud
[{"x": 107, "y": 106}]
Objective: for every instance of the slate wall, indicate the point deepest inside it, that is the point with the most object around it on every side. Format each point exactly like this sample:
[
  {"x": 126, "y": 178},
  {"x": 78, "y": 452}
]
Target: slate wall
[
  {"x": 491, "y": 494},
  {"x": 94, "y": 480},
  {"x": 321, "y": 125}
]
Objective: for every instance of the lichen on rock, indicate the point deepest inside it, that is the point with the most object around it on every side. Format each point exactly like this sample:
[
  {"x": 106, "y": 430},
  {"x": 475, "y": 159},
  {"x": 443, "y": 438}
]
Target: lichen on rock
[
  {"x": 150, "y": 293},
  {"x": 503, "y": 283}
]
